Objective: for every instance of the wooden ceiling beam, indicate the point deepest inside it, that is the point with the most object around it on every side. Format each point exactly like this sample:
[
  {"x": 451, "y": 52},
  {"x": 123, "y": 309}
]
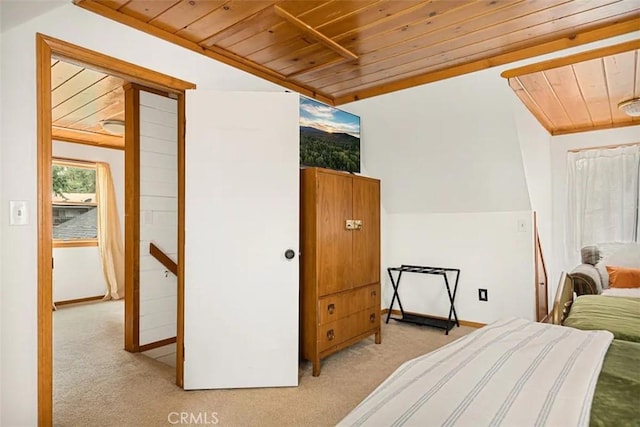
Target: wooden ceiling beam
[
  {"x": 634, "y": 122},
  {"x": 88, "y": 138},
  {"x": 572, "y": 59},
  {"x": 312, "y": 32}
]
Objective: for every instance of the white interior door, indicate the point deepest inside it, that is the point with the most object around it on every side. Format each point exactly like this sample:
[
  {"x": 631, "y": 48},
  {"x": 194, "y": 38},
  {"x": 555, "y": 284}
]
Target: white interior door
[{"x": 241, "y": 215}]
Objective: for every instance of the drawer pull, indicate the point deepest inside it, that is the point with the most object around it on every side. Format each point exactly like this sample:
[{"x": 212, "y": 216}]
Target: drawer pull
[
  {"x": 373, "y": 293},
  {"x": 330, "y": 334},
  {"x": 372, "y": 317},
  {"x": 331, "y": 308}
]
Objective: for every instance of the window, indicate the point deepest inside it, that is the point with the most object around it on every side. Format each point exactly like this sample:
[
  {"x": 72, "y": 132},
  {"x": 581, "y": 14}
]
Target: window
[
  {"x": 604, "y": 196},
  {"x": 75, "y": 213}
]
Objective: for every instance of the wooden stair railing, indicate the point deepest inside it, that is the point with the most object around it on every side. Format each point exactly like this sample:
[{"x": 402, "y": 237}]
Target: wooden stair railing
[
  {"x": 542, "y": 304},
  {"x": 157, "y": 253},
  {"x": 171, "y": 266}
]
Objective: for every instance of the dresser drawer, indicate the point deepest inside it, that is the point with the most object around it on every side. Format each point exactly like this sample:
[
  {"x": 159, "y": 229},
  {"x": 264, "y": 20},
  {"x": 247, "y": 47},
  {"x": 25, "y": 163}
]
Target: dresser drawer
[
  {"x": 337, "y": 306},
  {"x": 365, "y": 320},
  {"x": 336, "y": 332},
  {"x": 371, "y": 295}
]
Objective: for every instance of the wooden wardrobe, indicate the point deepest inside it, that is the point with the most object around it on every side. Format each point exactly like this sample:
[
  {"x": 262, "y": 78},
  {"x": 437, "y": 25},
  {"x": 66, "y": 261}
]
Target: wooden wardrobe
[{"x": 340, "y": 262}]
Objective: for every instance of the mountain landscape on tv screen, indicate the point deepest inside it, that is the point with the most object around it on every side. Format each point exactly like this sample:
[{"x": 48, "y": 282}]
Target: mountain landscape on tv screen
[
  {"x": 339, "y": 151},
  {"x": 329, "y": 137}
]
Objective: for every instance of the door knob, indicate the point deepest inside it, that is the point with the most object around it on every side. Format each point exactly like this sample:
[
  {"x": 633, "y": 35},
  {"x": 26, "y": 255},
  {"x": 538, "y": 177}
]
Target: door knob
[{"x": 289, "y": 254}]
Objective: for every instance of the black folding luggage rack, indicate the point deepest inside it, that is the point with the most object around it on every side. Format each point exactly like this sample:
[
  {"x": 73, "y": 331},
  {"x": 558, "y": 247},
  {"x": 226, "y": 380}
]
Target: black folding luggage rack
[{"x": 421, "y": 319}]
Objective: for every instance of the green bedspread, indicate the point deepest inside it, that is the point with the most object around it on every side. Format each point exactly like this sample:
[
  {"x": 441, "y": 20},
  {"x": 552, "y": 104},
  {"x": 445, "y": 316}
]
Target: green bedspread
[
  {"x": 619, "y": 315},
  {"x": 616, "y": 401}
]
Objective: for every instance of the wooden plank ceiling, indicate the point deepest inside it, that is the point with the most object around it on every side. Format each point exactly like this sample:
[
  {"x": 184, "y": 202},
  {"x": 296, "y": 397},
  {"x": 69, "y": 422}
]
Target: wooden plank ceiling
[
  {"x": 81, "y": 99},
  {"x": 340, "y": 51},
  {"x": 581, "y": 92}
]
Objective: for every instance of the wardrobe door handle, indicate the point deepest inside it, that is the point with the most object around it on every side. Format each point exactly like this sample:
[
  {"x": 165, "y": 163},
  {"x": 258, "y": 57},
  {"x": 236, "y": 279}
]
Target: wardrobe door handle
[
  {"x": 372, "y": 318},
  {"x": 331, "y": 308},
  {"x": 330, "y": 334},
  {"x": 373, "y": 293}
]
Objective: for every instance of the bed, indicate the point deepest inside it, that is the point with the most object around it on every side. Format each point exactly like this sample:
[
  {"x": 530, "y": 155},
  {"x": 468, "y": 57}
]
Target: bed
[
  {"x": 622, "y": 292},
  {"x": 512, "y": 373},
  {"x": 618, "y": 314}
]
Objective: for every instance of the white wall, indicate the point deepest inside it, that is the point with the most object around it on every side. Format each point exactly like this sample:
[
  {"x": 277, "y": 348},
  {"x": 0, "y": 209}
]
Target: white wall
[
  {"x": 462, "y": 145},
  {"x": 158, "y": 215},
  {"x": 78, "y": 272},
  {"x": 450, "y": 162},
  {"x": 2, "y": 222},
  {"x": 560, "y": 145},
  {"x": 18, "y": 141},
  {"x": 450, "y": 146},
  {"x": 488, "y": 249},
  {"x": 535, "y": 145},
  {"x": 18, "y": 149}
]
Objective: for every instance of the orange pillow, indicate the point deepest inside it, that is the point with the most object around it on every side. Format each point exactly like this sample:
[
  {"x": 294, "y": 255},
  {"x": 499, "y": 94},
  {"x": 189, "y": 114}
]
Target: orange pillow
[{"x": 623, "y": 277}]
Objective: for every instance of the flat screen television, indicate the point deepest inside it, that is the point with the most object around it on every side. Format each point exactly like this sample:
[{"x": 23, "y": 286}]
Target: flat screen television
[{"x": 329, "y": 137}]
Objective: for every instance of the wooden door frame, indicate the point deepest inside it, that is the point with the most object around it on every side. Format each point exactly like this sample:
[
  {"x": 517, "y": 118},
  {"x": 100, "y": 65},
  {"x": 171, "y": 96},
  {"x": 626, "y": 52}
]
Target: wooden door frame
[{"x": 46, "y": 47}]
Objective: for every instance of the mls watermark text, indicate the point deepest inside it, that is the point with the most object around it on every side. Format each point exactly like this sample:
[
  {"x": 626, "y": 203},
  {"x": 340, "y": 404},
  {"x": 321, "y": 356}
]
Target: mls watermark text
[{"x": 193, "y": 418}]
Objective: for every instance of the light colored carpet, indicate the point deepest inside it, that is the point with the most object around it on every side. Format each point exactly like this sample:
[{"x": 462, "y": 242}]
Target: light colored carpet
[
  {"x": 98, "y": 383},
  {"x": 165, "y": 354}
]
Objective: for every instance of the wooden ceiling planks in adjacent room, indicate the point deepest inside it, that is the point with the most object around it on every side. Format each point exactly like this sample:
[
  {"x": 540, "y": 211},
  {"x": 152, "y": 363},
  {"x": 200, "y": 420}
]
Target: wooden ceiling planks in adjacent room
[
  {"x": 340, "y": 51},
  {"x": 581, "y": 92},
  {"x": 81, "y": 99}
]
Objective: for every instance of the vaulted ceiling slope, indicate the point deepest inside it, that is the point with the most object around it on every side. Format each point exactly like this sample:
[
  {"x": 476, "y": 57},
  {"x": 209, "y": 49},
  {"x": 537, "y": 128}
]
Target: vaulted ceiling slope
[
  {"x": 81, "y": 99},
  {"x": 340, "y": 51},
  {"x": 581, "y": 92}
]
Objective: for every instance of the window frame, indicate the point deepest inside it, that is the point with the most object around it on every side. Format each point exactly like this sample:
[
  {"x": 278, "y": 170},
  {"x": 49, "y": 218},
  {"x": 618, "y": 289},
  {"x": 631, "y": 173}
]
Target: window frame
[{"x": 80, "y": 164}]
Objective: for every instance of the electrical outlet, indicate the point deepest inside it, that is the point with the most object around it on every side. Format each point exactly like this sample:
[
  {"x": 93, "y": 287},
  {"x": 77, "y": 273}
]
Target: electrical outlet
[{"x": 483, "y": 295}]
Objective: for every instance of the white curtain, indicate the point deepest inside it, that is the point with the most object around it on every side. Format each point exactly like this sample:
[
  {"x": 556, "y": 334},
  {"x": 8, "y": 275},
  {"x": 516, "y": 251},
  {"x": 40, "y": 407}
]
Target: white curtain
[
  {"x": 109, "y": 234},
  {"x": 604, "y": 190}
]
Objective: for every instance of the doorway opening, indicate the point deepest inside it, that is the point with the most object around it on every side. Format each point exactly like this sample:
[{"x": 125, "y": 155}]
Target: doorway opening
[{"x": 49, "y": 50}]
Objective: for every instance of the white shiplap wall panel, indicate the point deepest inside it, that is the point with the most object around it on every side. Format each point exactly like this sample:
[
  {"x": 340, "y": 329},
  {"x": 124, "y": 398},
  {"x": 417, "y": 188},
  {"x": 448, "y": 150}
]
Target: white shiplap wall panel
[
  {"x": 156, "y": 334},
  {"x": 157, "y": 116},
  {"x": 160, "y": 305},
  {"x": 159, "y": 319},
  {"x": 159, "y": 175},
  {"x": 156, "y": 284},
  {"x": 160, "y": 103},
  {"x": 155, "y": 145},
  {"x": 157, "y": 131},
  {"x": 145, "y": 251},
  {"x": 147, "y": 262},
  {"x": 157, "y": 160},
  {"x": 165, "y": 218},
  {"x": 155, "y": 188},
  {"x": 164, "y": 237},
  {"x": 158, "y": 204},
  {"x": 158, "y": 215}
]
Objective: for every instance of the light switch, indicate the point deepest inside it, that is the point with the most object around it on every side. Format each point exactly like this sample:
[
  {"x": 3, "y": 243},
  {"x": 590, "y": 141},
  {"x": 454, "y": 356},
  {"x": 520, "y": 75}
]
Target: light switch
[{"x": 18, "y": 213}]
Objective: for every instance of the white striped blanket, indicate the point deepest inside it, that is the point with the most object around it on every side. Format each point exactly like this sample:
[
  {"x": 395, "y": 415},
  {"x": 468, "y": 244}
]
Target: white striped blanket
[{"x": 511, "y": 373}]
